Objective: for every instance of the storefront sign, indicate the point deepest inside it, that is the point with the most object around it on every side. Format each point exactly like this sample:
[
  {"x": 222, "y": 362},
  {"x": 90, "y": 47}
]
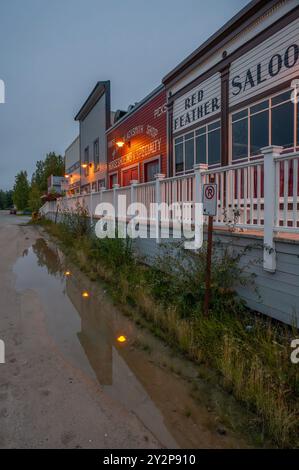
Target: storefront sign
[
  {"x": 153, "y": 148},
  {"x": 274, "y": 61},
  {"x": 201, "y": 103}
]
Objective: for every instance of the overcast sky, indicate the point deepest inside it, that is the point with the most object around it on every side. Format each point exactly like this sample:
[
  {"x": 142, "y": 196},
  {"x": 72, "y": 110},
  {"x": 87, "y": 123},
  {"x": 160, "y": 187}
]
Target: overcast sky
[{"x": 52, "y": 52}]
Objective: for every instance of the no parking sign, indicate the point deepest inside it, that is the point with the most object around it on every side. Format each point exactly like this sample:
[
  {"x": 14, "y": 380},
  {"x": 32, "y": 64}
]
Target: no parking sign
[{"x": 209, "y": 199}]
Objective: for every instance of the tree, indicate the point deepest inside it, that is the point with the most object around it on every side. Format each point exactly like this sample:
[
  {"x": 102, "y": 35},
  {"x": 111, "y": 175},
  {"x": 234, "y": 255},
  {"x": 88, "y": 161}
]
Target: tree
[
  {"x": 52, "y": 165},
  {"x": 34, "y": 200},
  {"x": 5, "y": 199},
  {"x": 21, "y": 190}
]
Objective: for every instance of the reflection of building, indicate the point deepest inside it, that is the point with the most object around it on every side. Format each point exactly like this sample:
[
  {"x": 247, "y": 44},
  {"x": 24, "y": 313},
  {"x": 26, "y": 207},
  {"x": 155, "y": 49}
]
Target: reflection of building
[
  {"x": 137, "y": 142},
  {"x": 72, "y": 167},
  {"x": 95, "y": 336},
  {"x": 94, "y": 119}
]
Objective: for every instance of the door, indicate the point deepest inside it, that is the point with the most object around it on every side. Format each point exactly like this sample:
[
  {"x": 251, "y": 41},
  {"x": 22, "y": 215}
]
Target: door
[{"x": 129, "y": 175}]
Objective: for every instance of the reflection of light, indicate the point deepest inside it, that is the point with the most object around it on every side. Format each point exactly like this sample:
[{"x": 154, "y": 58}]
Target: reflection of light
[
  {"x": 120, "y": 143},
  {"x": 85, "y": 294},
  {"x": 121, "y": 339},
  {"x": 67, "y": 273}
]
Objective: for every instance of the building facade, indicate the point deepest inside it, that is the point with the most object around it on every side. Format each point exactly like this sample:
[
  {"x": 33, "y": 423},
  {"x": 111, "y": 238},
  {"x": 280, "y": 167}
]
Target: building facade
[
  {"x": 235, "y": 94},
  {"x": 137, "y": 143},
  {"x": 72, "y": 168},
  {"x": 94, "y": 119}
]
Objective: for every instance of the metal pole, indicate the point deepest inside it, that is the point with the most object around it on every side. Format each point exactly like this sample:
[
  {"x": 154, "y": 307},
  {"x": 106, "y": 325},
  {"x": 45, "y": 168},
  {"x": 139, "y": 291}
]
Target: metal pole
[{"x": 208, "y": 267}]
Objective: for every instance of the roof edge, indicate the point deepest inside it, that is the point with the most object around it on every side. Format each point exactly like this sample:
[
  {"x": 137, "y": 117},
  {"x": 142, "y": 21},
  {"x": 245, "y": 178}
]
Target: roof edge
[{"x": 250, "y": 9}]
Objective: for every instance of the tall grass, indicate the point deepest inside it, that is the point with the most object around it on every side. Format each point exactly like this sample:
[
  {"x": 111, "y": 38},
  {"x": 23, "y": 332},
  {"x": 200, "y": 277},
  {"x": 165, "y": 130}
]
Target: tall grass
[{"x": 251, "y": 354}]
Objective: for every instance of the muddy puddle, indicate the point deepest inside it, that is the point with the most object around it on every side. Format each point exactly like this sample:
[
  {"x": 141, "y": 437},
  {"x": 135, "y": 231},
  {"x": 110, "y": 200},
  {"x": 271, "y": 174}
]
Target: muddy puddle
[{"x": 165, "y": 392}]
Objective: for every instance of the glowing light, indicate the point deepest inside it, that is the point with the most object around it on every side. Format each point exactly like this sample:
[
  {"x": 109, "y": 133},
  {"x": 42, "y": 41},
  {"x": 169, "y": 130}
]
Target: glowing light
[
  {"x": 84, "y": 165},
  {"x": 67, "y": 273},
  {"x": 66, "y": 176},
  {"x": 85, "y": 294},
  {"x": 121, "y": 339},
  {"x": 120, "y": 143}
]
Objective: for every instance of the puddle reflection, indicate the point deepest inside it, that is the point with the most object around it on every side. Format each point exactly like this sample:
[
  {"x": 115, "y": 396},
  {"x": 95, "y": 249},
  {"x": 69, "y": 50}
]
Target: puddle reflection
[{"x": 95, "y": 337}]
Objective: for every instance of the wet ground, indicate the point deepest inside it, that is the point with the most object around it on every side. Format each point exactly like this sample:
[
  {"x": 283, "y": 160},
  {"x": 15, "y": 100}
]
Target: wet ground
[{"x": 78, "y": 373}]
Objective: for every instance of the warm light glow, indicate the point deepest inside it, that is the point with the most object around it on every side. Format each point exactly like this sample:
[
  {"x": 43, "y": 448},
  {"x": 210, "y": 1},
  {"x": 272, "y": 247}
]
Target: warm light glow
[
  {"x": 67, "y": 273},
  {"x": 66, "y": 176},
  {"x": 85, "y": 294},
  {"x": 120, "y": 143},
  {"x": 84, "y": 165},
  {"x": 121, "y": 339}
]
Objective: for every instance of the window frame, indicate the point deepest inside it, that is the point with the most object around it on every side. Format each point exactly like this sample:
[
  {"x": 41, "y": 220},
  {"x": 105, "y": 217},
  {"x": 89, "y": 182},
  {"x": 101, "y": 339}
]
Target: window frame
[
  {"x": 206, "y": 133},
  {"x": 249, "y": 114}
]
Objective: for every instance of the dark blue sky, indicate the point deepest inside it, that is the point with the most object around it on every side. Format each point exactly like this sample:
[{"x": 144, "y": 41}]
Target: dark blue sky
[{"x": 52, "y": 52}]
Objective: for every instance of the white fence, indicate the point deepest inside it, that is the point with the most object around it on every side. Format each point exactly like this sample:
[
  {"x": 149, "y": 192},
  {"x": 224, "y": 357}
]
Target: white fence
[{"x": 261, "y": 194}]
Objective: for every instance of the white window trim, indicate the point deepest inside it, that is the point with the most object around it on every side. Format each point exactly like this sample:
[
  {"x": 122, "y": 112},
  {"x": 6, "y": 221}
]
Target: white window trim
[{"x": 270, "y": 107}]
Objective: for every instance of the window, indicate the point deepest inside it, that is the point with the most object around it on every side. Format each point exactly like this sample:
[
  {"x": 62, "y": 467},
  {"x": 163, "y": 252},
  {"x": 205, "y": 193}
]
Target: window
[
  {"x": 112, "y": 180},
  {"x": 259, "y": 127},
  {"x": 189, "y": 151},
  {"x": 179, "y": 154},
  {"x": 151, "y": 169},
  {"x": 283, "y": 124},
  {"x": 269, "y": 122},
  {"x": 200, "y": 146},
  {"x": 214, "y": 143},
  {"x": 101, "y": 184},
  {"x": 96, "y": 154}
]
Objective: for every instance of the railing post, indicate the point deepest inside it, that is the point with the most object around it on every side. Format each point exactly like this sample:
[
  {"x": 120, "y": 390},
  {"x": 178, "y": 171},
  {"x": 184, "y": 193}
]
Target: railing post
[
  {"x": 102, "y": 188},
  {"x": 198, "y": 169},
  {"x": 115, "y": 204},
  {"x": 270, "y": 194},
  {"x": 158, "y": 177},
  {"x": 133, "y": 190}
]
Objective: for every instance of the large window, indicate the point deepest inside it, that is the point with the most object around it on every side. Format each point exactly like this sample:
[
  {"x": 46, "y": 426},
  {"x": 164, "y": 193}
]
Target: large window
[
  {"x": 200, "y": 146},
  {"x": 269, "y": 122}
]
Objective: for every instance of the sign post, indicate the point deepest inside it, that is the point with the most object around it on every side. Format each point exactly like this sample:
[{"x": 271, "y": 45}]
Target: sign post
[{"x": 209, "y": 209}]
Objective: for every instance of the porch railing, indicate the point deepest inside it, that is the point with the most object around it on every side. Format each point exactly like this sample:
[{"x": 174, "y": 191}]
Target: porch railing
[{"x": 258, "y": 195}]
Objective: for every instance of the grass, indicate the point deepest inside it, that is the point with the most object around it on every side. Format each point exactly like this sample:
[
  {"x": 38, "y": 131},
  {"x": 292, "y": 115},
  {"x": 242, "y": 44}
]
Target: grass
[{"x": 250, "y": 354}]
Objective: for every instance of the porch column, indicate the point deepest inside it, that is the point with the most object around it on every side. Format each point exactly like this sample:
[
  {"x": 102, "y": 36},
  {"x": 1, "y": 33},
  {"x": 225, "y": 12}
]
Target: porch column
[
  {"x": 270, "y": 195},
  {"x": 115, "y": 204},
  {"x": 133, "y": 190},
  {"x": 158, "y": 177}
]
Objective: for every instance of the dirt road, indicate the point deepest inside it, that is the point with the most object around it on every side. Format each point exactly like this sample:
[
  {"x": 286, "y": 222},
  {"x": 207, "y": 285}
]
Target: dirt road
[
  {"x": 44, "y": 400},
  {"x": 67, "y": 382}
]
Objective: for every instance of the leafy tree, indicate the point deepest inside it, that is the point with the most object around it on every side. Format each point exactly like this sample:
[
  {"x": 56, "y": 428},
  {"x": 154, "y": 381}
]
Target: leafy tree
[
  {"x": 5, "y": 199},
  {"x": 21, "y": 190},
  {"x": 52, "y": 165},
  {"x": 34, "y": 200}
]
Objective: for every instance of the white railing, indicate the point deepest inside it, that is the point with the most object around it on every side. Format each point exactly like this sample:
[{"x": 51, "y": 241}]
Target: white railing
[
  {"x": 287, "y": 193},
  {"x": 261, "y": 194}
]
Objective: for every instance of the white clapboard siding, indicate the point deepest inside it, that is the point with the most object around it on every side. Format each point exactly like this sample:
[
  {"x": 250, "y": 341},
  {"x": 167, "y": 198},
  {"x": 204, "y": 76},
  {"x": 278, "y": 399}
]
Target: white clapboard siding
[
  {"x": 267, "y": 19},
  {"x": 276, "y": 44},
  {"x": 211, "y": 89}
]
